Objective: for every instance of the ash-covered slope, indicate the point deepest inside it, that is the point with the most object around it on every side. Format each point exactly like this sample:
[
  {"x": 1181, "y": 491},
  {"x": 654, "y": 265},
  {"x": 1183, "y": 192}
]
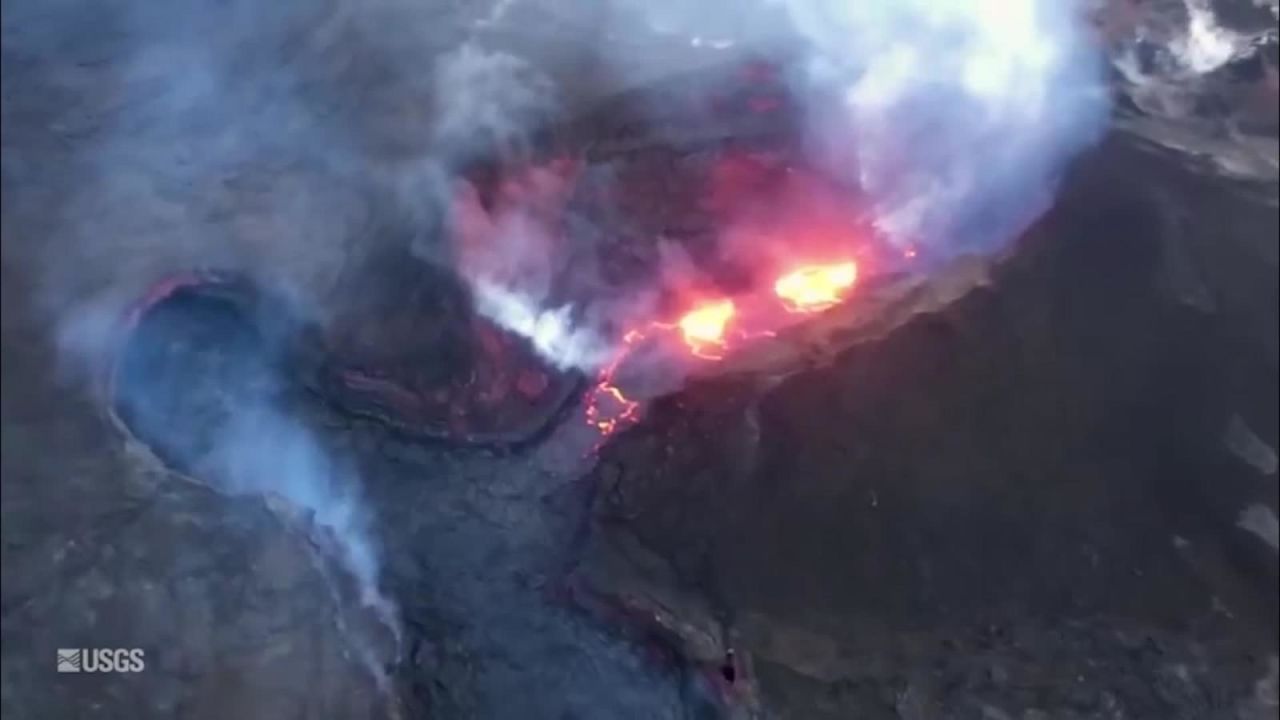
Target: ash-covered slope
[{"x": 1040, "y": 501}]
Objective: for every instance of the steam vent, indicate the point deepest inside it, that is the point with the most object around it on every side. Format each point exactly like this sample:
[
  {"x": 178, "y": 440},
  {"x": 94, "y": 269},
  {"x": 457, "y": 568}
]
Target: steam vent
[{"x": 587, "y": 360}]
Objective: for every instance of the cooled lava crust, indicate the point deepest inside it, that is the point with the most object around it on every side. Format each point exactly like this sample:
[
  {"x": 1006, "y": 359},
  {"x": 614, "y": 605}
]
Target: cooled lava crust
[
  {"x": 404, "y": 347},
  {"x": 201, "y": 345}
]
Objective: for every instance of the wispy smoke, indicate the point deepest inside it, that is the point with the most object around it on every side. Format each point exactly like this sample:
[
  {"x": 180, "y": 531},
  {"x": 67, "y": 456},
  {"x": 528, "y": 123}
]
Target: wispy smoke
[
  {"x": 491, "y": 99},
  {"x": 264, "y": 451}
]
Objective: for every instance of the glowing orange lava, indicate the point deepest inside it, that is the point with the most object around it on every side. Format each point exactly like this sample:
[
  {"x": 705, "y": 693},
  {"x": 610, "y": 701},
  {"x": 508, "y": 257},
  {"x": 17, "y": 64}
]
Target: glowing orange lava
[
  {"x": 607, "y": 406},
  {"x": 815, "y": 287},
  {"x": 703, "y": 327}
]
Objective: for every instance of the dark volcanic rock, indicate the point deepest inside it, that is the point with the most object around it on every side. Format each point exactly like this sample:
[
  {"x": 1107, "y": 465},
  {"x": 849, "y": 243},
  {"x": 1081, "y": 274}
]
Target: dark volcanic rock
[
  {"x": 1053, "y": 499},
  {"x": 1022, "y": 503}
]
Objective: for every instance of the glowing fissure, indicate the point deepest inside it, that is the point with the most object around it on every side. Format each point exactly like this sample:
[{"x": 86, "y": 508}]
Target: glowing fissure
[{"x": 607, "y": 407}]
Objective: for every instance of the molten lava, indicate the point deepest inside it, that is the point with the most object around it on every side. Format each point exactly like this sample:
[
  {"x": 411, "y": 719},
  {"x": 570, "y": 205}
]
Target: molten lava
[
  {"x": 815, "y": 287},
  {"x": 703, "y": 328},
  {"x": 607, "y": 406},
  {"x": 709, "y": 327}
]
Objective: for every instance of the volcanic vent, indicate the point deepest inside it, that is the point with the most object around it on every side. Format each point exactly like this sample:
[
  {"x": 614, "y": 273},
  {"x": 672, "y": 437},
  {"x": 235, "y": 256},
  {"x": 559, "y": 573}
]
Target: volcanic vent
[{"x": 687, "y": 229}]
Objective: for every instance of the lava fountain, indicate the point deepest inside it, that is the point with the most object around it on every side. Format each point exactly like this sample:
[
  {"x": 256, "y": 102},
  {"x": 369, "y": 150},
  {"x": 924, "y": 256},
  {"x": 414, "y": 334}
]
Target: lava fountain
[
  {"x": 813, "y": 288},
  {"x": 703, "y": 328}
]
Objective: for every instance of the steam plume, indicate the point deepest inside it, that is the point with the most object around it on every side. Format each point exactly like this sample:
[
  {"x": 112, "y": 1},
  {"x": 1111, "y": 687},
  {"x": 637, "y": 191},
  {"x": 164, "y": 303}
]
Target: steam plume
[{"x": 952, "y": 118}]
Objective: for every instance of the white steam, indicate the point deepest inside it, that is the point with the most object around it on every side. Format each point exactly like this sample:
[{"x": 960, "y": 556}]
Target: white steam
[
  {"x": 264, "y": 452},
  {"x": 957, "y": 115},
  {"x": 552, "y": 331}
]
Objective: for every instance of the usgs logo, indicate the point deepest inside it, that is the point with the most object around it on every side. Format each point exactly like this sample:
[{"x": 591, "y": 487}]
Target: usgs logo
[{"x": 101, "y": 660}]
